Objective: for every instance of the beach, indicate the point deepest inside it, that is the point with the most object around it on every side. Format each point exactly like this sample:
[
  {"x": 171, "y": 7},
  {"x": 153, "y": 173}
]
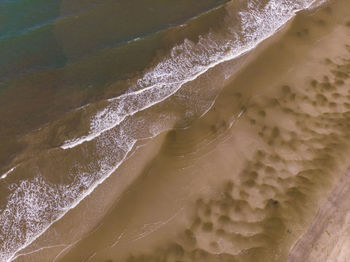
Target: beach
[{"x": 245, "y": 158}]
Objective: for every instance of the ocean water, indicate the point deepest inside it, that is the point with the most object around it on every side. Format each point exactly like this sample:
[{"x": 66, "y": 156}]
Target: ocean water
[
  {"x": 59, "y": 55},
  {"x": 83, "y": 81}
]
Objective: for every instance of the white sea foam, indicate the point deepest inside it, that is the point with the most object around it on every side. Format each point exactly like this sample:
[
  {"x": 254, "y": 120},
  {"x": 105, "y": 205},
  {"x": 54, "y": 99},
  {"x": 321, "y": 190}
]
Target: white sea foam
[
  {"x": 7, "y": 173},
  {"x": 35, "y": 204},
  {"x": 188, "y": 61}
]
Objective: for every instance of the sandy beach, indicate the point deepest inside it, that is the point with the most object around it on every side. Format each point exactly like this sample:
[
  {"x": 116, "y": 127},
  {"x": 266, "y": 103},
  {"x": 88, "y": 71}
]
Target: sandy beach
[{"x": 261, "y": 176}]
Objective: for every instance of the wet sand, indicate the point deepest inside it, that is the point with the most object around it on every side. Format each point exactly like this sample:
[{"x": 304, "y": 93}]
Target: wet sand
[{"x": 245, "y": 181}]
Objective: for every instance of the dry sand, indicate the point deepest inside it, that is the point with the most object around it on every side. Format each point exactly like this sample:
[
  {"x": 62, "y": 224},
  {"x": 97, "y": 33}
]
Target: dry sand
[
  {"x": 328, "y": 239},
  {"x": 245, "y": 181}
]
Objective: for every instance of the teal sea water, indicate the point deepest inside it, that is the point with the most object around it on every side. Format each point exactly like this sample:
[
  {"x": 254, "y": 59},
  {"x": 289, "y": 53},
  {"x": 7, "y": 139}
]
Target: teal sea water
[{"x": 58, "y": 55}]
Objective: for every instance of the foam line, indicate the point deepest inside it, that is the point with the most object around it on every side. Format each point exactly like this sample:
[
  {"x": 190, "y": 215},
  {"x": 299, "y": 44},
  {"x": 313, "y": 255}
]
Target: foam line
[
  {"x": 38, "y": 250},
  {"x": 7, "y": 173},
  {"x": 76, "y": 202},
  {"x": 148, "y": 96}
]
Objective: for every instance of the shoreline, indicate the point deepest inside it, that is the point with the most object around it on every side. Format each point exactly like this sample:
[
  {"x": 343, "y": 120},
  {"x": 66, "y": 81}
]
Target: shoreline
[
  {"x": 139, "y": 157},
  {"x": 246, "y": 57},
  {"x": 219, "y": 64},
  {"x": 284, "y": 219},
  {"x": 195, "y": 132},
  {"x": 154, "y": 152}
]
